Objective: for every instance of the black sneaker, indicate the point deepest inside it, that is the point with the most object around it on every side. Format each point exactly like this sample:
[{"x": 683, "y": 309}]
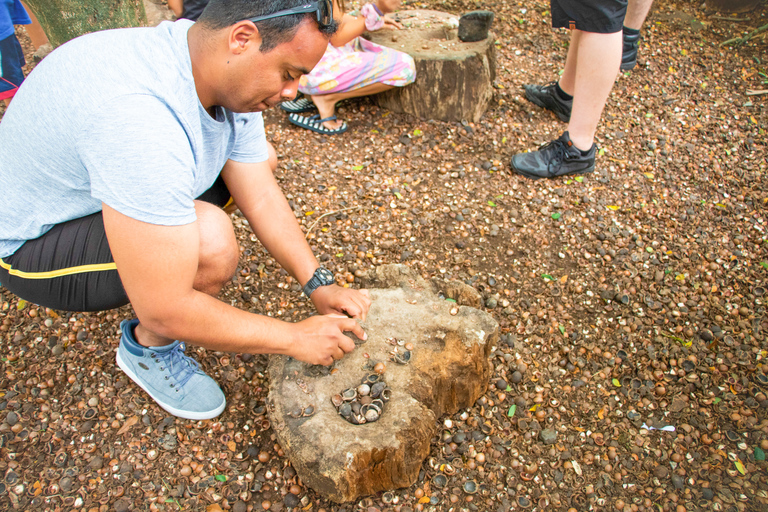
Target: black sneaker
[
  {"x": 629, "y": 53},
  {"x": 546, "y": 97},
  {"x": 556, "y": 158}
]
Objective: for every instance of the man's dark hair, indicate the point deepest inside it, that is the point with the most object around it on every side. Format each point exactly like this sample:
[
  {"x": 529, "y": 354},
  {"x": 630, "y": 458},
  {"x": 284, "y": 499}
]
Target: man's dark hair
[{"x": 220, "y": 14}]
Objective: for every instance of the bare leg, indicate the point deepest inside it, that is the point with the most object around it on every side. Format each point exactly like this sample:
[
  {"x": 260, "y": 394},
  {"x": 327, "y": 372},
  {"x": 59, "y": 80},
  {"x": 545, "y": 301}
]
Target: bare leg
[
  {"x": 176, "y": 6},
  {"x": 35, "y": 31},
  {"x": 217, "y": 262},
  {"x": 567, "y": 80},
  {"x": 599, "y": 56},
  {"x": 326, "y": 103},
  {"x": 637, "y": 11}
]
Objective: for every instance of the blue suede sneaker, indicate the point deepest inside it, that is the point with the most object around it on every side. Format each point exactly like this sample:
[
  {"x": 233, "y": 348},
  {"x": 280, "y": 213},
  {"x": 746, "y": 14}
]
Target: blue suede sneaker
[{"x": 173, "y": 379}]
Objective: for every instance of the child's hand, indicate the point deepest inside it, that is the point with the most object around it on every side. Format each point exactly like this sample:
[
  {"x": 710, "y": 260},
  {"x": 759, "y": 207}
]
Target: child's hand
[{"x": 390, "y": 24}]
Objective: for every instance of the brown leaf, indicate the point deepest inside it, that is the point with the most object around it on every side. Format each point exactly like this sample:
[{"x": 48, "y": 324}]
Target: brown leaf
[{"x": 128, "y": 424}]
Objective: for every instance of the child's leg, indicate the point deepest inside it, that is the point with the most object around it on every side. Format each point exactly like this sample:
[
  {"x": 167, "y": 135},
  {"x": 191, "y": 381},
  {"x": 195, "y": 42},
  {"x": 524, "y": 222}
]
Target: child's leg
[
  {"x": 11, "y": 63},
  {"x": 326, "y": 103}
]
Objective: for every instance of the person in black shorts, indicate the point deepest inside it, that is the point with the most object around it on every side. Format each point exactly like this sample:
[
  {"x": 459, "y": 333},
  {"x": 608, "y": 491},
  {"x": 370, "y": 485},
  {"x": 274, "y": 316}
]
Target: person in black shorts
[
  {"x": 637, "y": 11},
  {"x": 189, "y": 9},
  {"x": 578, "y": 97}
]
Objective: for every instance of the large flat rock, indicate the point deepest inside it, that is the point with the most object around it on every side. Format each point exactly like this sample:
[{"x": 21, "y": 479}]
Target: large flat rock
[{"x": 449, "y": 369}]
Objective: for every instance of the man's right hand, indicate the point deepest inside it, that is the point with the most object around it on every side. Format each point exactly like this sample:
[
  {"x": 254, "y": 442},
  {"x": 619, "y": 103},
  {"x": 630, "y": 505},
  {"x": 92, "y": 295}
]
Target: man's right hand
[{"x": 321, "y": 339}]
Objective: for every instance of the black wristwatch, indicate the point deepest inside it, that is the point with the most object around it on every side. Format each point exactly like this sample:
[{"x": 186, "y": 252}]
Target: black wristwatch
[{"x": 321, "y": 277}]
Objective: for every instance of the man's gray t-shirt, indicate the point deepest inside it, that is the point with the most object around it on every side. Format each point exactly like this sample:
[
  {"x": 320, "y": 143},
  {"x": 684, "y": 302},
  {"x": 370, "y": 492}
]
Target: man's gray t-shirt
[{"x": 114, "y": 117}]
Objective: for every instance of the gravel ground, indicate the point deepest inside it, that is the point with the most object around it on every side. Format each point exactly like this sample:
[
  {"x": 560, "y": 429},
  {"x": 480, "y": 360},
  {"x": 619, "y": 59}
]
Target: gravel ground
[{"x": 631, "y": 370}]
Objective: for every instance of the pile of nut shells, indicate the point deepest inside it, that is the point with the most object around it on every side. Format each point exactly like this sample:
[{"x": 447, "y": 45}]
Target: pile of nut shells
[{"x": 365, "y": 403}]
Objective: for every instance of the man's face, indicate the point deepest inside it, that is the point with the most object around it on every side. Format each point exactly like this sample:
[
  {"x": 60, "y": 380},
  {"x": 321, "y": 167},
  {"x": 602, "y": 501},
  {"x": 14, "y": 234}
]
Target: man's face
[{"x": 263, "y": 80}]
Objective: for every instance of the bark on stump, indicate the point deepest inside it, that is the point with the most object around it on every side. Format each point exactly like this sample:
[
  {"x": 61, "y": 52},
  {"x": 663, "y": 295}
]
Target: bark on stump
[
  {"x": 454, "y": 80},
  {"x": 449, "y": 370}
]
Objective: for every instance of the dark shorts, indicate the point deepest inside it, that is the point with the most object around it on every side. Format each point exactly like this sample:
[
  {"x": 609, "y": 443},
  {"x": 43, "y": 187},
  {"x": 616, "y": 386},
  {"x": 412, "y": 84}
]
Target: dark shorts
[
  {"x": 71, "y": 268},
  {"x": 599, "y": 16},
  {"x": 11, "y": 62}
]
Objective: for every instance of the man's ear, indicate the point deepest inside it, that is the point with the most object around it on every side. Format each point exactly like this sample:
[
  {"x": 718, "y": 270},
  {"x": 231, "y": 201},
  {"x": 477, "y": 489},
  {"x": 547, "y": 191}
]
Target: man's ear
[{"x": 243, "y": 35}]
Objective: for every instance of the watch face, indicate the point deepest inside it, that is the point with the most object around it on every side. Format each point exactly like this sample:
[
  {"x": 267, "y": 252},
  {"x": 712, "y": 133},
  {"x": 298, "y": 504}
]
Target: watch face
[{"x": 325, "y": 275}]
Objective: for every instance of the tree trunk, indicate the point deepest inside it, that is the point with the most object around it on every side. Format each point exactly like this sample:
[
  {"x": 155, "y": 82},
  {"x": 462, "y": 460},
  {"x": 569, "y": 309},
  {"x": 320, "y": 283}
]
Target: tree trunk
[
  {"x": 63, "y": 20},
  {"x": 732, "y": 5}
]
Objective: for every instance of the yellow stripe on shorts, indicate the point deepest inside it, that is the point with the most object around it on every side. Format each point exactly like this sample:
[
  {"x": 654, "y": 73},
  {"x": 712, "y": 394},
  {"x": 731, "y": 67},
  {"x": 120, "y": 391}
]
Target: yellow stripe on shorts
[{"x": 82, "y": 269}]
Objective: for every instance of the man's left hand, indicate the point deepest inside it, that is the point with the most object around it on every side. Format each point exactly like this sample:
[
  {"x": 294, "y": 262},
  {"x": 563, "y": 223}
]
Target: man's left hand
[{"x": 345, "y": 301}]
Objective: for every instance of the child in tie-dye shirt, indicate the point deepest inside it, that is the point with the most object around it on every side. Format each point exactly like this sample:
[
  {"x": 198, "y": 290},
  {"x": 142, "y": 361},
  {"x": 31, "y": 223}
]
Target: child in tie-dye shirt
[{"x": 351, "y": 67}]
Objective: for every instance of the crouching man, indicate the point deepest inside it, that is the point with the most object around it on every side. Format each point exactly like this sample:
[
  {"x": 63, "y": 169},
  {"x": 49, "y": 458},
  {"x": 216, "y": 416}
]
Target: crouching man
[{"x": 116, "y": 157}]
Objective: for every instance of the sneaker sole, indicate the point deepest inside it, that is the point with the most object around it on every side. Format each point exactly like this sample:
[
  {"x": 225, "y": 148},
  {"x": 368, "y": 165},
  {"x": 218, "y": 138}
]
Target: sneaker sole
[
  {"x": 537, "y": 177},
  {"x": 541, "y": 104},
  {"x": 176, "y": 412}
]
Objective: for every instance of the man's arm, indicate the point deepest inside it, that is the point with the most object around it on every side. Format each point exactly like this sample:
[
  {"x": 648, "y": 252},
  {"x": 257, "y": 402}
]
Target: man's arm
[
  {"x": 258, "y": 196},
  {"x": 158, "y": 266}
]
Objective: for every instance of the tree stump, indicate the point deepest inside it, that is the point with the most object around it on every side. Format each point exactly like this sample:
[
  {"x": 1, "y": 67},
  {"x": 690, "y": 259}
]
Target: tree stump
[
  {"x": 446, "y": 368},
  {"x": 454, "y": 80}
]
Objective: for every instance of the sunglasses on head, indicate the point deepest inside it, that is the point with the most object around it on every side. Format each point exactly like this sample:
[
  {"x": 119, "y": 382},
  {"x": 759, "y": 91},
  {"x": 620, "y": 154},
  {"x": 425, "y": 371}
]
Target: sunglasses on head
[{"x": 322, "y": 8}]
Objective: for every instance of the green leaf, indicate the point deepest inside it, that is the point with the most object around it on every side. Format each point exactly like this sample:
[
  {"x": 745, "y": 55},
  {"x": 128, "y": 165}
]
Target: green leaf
[
  {"x": 503, "y": 140},
  {"x": 759, "y": 454},
  {"x": 601, "y": 152},
  {"x": 740, "y": 467},
  {"x": 579, "y": 178},
  {"x": 616, "y": 383},
  {"x": 221, "y": 478},
  {"x": 511, "y": 411},
  {"x": 398, "y": 195},
  {"x": 417, "y": 133},
  {"x": 764, "y": 264},
  {"x": 357, "y": 168},
  {"x": 509, "y": 388},
  {"x": 491, "y": 204},
  {"x": 451, "y": 300},
  {"x": 562, "y": 329},
  {"x": 718, "y": 400},
  {"x": 556, "y": 215},
  {"x": 648, "y": 115},
  {"x": 568, "y": 182},
  {"x": 547, "y": 277}
]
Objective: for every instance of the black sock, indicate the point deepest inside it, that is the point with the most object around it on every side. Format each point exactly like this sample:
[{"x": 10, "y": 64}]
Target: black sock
[
  {"x": 631, "y": 31},
  {"x": 561, "y": 93},
  {"x": 584, "y": 153}
]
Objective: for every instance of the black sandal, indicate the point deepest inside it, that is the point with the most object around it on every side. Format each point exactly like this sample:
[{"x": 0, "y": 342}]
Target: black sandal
[
  {"x": 298, "y": 106},
  {"x": 315, "y": 124}
]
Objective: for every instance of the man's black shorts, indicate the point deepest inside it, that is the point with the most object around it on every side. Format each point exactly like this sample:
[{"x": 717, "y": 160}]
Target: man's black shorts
[
  {"x": 71, "y": 268},
  {"x": 599, "y": 16}
]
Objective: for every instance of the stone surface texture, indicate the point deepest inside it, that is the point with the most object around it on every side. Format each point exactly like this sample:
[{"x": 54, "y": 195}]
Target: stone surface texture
[
  {"x": 454, "y": 79},
  {"x": 449, "y": 370}
]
